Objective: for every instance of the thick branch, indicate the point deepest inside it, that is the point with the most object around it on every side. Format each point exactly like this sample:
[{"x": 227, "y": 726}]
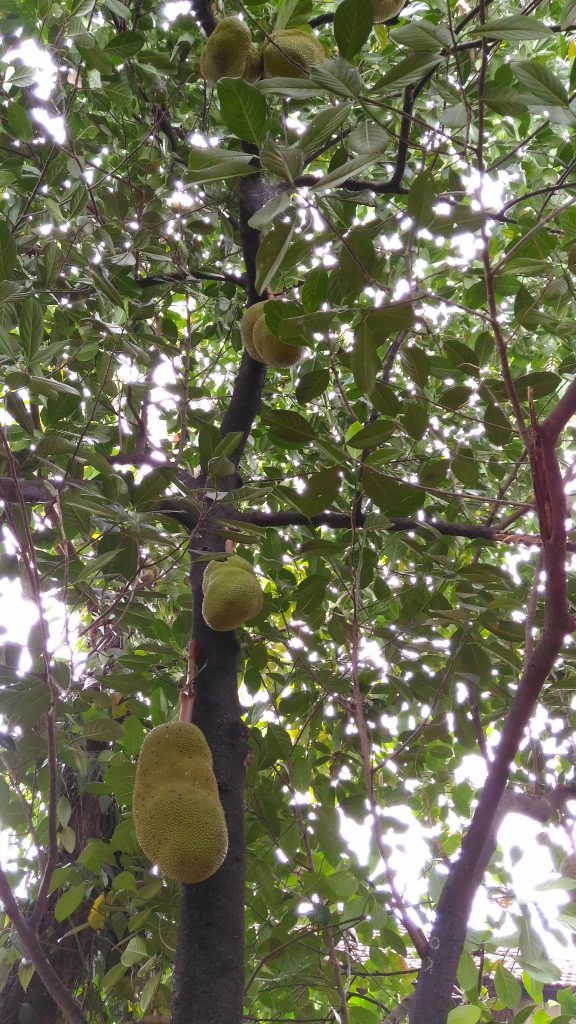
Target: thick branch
[
  {"x": 434, "y": 989},
  {"x": 204, "y": 11}
]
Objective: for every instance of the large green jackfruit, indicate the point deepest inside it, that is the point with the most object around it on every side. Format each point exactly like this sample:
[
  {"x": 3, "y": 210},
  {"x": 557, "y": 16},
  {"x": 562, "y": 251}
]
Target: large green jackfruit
[
  {"x": 290, "y": 53},
  {"x": 228, "y": 52},
  {"x": 261, "y": 344},
  {"x": 178, "y": 816},
  {"x": 232, "y": 594},
  {"x": 386, "y": 9}
]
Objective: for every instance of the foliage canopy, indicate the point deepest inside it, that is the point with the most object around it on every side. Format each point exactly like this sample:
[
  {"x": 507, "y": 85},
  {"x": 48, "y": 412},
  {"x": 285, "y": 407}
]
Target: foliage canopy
[{"x": 409, "y": 210}]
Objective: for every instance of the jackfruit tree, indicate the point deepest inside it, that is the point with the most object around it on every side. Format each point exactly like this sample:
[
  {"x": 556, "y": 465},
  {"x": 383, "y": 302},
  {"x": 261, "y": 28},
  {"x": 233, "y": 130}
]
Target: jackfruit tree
[{"x": 287, "y": 673}]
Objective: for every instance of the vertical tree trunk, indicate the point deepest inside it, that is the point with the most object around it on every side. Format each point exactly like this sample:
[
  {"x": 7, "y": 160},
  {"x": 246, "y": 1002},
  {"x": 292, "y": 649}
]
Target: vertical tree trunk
[{"x": 209, "y": 968}]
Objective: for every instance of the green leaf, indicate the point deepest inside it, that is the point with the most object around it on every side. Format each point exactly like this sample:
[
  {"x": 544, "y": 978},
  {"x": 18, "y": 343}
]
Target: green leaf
[
  {"x": 271, "y": 253},
  {"x": 288, "y": 425},
  {"x": 368, "y": 137},
  {"x": 69, "y": 901},
  {"x": 31, "y": 327},
  {"x": 364, "y": 360},
  {"x": 421, "y": 199},
  {"x": 497, "y": 427},
  {"x": 19, "y": 411},
  {"x": 423, "y": 36},
  {"x": 292, "y": 13},
  {"x": 135, "y": 951},
  {"x": 391, "y": 319},
  {"x": 150, "y": 991},
  {"x": 243, "y": 109},
  {"x": 312, "y": 384},
  {"x": 338, "y": 77},
  {"x": 508, "y": 988},
  {"x": 7, "y": 252},
  {"x": 125, "y": 44},
  {"x": 19, "y": 122},
  {"x": 113, "y": 976},
  {"x": 321, "y": 491},
  {"x": 464, "y": 1015},
  {"x": 103, "y": 729},
  {"x": 544, "y": 87},
  {"x": 352, "y": 25},
  {"x": 373, "y": 435},
  {"x": 515, "y": 28},
  {"x": 392, "y": 496},
  {"x": 284, "y": 161},
  {"x": 409, "y": 70},
  {"x": 467, "y": 974},
  {"x": 345, "y": 171},
  {"x": 568, "y": 15},
  {"x": 323, "y": 126}
]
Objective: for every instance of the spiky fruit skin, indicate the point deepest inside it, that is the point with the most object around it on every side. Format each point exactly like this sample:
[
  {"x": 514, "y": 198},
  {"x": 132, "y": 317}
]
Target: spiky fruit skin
[
  {"x": 568, "y": 866},
  {"x": 233, "y": 561},
  {"x": 271, "y": 350},
  {"x": 386, "y": 9},
  {"x": 247, "y": 322},
  {"x": 232, "y": 595},
  {"x": 253, "y": 67},
  {"x": 291, "y": 53},
  {"x": 178, "y": 816},
  {"x": 227, "y": 50}
]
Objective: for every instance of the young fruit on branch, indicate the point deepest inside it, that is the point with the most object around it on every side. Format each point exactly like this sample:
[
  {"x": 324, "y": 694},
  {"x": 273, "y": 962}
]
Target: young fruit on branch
[
  {"x": 291, "y": 53},
  {"x": 178, "y": 816},
  {"x": 261, "y": 344},
  {"x": 386, "y": 9},
  {"x": 232, "y": 594},
  {"x": 229, "y": 52}
]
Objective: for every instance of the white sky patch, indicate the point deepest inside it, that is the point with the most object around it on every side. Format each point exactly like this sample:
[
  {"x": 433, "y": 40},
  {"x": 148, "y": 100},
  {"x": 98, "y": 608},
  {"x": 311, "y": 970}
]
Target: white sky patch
[
  {"x": 175, "y": 8},
  {"x": 54, "y": 125},
  {"x": 33, "y": 56}
]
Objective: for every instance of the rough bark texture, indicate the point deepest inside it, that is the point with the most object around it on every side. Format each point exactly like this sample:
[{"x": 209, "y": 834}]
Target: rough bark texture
[{"x": 209, "y": 969}]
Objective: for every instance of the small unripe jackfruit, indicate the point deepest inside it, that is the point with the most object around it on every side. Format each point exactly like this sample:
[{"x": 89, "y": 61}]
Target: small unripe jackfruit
[
  {"x": 261, "y": 344},
  {"x": 291, "y": 53},
  {"x": 227, "y": 51},
  {"x": 386, "y": 9},
  {"x": 232, "y": 594},
  {"x": 178, "y": 816}
]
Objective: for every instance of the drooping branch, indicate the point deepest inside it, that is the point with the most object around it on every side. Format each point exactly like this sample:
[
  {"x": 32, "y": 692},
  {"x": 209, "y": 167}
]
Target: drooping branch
[{"x": 434, "y": 988}]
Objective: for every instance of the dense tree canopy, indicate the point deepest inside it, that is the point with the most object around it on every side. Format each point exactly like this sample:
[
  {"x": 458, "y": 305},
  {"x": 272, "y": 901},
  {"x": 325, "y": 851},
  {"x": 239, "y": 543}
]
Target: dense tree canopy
[{"x": 407, "y": 207}]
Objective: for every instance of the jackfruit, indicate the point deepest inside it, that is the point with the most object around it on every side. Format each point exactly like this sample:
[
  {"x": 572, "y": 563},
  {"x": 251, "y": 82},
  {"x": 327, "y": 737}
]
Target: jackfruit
[
  {"x": 178, "y": 816},
  {"x": 253, "y": 67},
  {"x": 386, "y": 9},
  {"x": 247, "y": 327},
  {"x": 232, "y": 594},
  {"x": 291, "y": 53},
  {"x": 261, "y": 344},
  {"x": 215, "y": 565},
  {"x": 227, "y": 51},
  {"x": 270, "y": 349}
]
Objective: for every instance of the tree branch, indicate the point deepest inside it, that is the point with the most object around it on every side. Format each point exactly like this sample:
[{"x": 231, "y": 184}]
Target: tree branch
[
  {"x": 71, "y": 1010},
  {"x": 434, "y": 988}
]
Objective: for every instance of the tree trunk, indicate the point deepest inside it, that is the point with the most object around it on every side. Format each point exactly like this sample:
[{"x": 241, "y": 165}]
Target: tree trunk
[{"x": 209, "y": 968}]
